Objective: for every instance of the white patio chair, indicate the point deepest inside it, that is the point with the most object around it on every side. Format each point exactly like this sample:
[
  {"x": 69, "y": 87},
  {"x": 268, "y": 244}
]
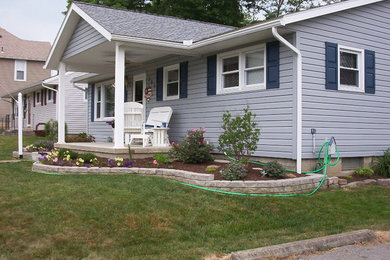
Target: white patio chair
[
  {"x": 133, "y": 119},
  {"x": 156, "y": 118}
]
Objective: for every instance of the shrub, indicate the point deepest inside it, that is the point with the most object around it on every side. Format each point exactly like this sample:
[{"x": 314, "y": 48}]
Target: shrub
[
  {"x": 364, "y": 171},
  {"x": 40, "y": 146},
  {"x": 82, "y": 137},
  {"x": 162, "y": 158},
  {"x": 240, "y": 136},
  {"x": 193, "y": 149},
  {"x": 235, "y": 170},
  {"x": 63, "y": 153},
  {"x": 88, "y": 157},
  {"x": 382, "y": 165},
  {"x": 273, "y": 170},
  {"x": 51, "y": 129}
]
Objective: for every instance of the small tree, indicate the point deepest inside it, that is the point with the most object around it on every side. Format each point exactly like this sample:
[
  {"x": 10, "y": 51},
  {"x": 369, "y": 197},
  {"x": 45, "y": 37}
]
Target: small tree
[{"x": 240, "y": 135}]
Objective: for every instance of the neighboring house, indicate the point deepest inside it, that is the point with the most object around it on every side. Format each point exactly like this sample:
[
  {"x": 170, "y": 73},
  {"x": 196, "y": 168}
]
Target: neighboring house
[
  {"x": 21, "y": 64},
  {"x": 331, "y": 75},
  {"x": 40, "y": 102}
]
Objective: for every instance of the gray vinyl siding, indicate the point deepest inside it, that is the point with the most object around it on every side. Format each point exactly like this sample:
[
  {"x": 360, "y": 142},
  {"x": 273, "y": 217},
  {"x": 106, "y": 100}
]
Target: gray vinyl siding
[
  {"x": 273, "y": 107},
  {"x": 41, "y": 114},
  {"x": 83, "y": 38},
  {"x": 76, "y": 109},
  {"x": 360, "y": 122}
]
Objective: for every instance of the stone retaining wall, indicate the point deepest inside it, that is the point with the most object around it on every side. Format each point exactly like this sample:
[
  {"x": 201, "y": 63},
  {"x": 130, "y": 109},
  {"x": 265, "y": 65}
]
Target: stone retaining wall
[{"x": 285, "y": 186}]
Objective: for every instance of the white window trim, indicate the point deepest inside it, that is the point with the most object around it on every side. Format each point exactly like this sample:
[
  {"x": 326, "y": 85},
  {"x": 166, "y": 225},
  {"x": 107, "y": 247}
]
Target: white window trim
[
  {"x": 360, "y": 63},
  {"x": 139, "y": 77},
  {"x": 102, "y": 101},
  {"x": 36, "y": 97},
  {"x": 25, "y": 70},
  {"x": 85, "y": 94},
  {"x": 241, "y": 70},
  {"x": 165, "y": 77}
]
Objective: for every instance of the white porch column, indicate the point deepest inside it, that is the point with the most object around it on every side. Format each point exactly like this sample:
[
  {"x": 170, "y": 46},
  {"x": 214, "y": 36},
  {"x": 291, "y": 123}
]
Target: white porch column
[
  {"x": 119, "y": 96},
  {"x": 61, "y": 103},
  {"x": 20, "y": 125}
]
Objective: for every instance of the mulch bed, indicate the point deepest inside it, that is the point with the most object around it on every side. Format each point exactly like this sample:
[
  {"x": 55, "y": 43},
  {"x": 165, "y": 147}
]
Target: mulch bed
[
  {"x": 355, "y": 177},
  {"x": 252, "y": 175}
]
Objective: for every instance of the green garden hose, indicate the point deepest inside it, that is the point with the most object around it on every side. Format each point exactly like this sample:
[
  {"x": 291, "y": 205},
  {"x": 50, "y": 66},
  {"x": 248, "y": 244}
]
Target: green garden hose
[{"x": 324, "y": 166}]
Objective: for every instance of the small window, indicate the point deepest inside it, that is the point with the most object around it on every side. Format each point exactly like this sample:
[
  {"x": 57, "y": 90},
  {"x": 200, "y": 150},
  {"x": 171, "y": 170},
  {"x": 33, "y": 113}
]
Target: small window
[
  {"x": 49, "y": 95},
  {"x": 171, "y": 82},
  {"x": 86, "y": 94},
  {"x": 351, "y": 74},
  {"x": 104, "y": 101},
  {"x": 38, "y": 97},
  {"x": 20, "y": 70},
  {"x": 241, "y": 70}
]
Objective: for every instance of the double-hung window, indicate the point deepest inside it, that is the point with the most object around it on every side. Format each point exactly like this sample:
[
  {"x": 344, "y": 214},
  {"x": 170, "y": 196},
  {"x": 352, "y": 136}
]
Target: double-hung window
[
  {"x": 20, "y": 70},
  {"x": 104, "y": 101},
  {"x": 351, "y": 69},
  {"x": 38, "y": 97},
  {"x": 171, "y": 82},
  {"x": 49, "y": 95},
  {"x": 241, "y": 70}
]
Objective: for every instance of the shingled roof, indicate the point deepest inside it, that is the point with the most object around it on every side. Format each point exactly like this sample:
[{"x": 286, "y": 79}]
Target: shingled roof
[
  {"x": 151, "y": 26},
  {"x": 12, "y": 47}
]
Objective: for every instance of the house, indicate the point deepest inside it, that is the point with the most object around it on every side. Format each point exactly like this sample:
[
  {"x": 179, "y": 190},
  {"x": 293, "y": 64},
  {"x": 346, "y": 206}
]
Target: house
[
  {"x": 40, "y": 104},
  {"x": 308, "y": 76},
  {"x": 21, "y": 64}
]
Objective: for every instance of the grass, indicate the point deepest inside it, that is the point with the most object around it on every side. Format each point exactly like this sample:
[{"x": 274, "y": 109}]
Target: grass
[
  {"x": 137, "y": 217},
  {"x": 10, "y": 143}
]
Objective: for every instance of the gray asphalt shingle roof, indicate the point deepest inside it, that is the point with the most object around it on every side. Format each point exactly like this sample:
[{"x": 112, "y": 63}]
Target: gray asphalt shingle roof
[{"x": 151, "y": 26}]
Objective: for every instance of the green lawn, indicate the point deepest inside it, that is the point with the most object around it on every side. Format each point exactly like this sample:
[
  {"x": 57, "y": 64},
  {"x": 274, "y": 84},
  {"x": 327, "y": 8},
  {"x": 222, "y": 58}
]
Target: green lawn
[
  {"x": 122, "y": 217},
  {"x": 10, "y": 143}
]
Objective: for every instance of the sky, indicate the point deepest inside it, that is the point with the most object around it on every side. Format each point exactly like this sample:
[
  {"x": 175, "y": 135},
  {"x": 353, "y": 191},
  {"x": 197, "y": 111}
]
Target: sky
[{"x": 37, "y": 20}]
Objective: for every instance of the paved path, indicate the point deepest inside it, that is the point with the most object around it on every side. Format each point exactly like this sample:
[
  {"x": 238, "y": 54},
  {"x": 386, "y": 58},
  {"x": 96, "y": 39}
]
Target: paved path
[
  {"x": 354, "y": 252},
  {"x": 9, "y": 161}
]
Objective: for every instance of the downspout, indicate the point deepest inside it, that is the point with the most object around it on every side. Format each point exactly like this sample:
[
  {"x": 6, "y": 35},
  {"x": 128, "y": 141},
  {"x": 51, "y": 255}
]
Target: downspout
[
  {"x": 299, "y": 96},
  {"x": 45, "y": 86}
]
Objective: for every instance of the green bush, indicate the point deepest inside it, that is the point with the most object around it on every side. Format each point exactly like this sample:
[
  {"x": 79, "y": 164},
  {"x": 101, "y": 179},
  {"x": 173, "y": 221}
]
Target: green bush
[
  {"x": 51, "y": 129},
  {"x": 235, "y": 170},
  {"x": 63, "y": 153},
  {"x": 88, "y": 157},
  {"x": 273, "y": 170},
  {"x": 193, "y": 149},
  {"x": 240, "y": 136},
  {"x": 382, "y": 165},
  {"x": 82, "y": 135},
  {"x": 364, "y": 171},
  {"x": 162, "y": 158}
]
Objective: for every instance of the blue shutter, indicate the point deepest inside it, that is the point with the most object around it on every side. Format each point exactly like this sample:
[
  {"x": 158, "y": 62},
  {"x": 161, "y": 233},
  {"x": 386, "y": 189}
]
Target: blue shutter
[
  {"x": 212, "y": 75},
  {"x": 331, "y": 66},
  {"x": 126, "y": 93},
  {"x": 369, "y": 69},
  {"x": 183, "y": 79},
  {"x": 272, "y": 65},
  {"x": 92, "y": 87},
  {"x": 159, "y": 82}
]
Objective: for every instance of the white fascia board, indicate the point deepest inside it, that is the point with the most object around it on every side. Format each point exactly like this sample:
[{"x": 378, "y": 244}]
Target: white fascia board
[
  {"x": 324, "y": 10},
  {"x": 219, "y": 38},
  {"x": 59, "y": 33},
  {"x": 83, "y": 77},
  {"x": 74, "y": 8}
]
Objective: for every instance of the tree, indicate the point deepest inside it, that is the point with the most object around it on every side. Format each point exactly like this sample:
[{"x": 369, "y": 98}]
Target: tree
[
  {"x": 274, "y": 8},
  {"x": 228, "y": 12}
]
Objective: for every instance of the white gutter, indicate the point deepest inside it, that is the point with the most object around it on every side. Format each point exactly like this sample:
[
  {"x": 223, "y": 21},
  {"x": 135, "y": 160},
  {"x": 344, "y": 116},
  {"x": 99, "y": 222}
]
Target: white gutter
[
  {"x": 53, "y": 89},
  {"x": 299, "y": 96}
]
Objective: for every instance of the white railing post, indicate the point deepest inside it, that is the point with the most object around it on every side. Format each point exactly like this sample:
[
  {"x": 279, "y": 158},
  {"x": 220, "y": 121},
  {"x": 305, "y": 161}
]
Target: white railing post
[
  {"x": 61, "y": 103},
  {"x": 119, "y": 96},
  {"x": 20, "y": 125}
]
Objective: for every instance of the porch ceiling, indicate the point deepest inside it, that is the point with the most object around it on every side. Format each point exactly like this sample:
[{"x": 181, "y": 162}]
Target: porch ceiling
[{"x": 101, "y": 58}]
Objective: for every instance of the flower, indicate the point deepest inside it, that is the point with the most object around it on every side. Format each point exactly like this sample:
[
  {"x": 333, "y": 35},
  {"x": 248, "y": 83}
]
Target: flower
[
  {"x": 87, "y": 165},
  {"x": 194, "y": 130},
  {"x": 155, "y": 162},
  {"x": 173, "y": 143},
  {"x": 128, "y": 164},
  {"x": 81, "y": 160},
  {"x": 203, "y": 129},
  {"x": 187, "y": 136}
]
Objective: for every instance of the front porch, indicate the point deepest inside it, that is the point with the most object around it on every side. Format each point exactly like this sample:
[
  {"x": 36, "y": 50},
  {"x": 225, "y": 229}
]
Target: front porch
[{"x": 108, "y": 150}]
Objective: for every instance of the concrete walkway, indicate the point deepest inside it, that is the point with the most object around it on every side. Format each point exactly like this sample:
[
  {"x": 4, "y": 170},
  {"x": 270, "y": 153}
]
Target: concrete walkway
[{"x": 354, "y": 252}]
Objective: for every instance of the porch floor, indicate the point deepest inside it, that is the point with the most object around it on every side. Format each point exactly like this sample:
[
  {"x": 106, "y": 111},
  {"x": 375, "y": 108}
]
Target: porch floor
[{"x": 108, "y": 150}]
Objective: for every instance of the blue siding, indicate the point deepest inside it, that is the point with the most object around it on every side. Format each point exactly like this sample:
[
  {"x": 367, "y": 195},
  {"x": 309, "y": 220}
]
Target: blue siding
[{"x": 359, "y": 121}]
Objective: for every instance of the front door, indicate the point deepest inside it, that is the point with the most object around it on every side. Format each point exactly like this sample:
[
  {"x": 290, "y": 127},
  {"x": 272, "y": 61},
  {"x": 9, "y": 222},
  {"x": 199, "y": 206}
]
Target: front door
[{"x": 139, "y": 88}]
